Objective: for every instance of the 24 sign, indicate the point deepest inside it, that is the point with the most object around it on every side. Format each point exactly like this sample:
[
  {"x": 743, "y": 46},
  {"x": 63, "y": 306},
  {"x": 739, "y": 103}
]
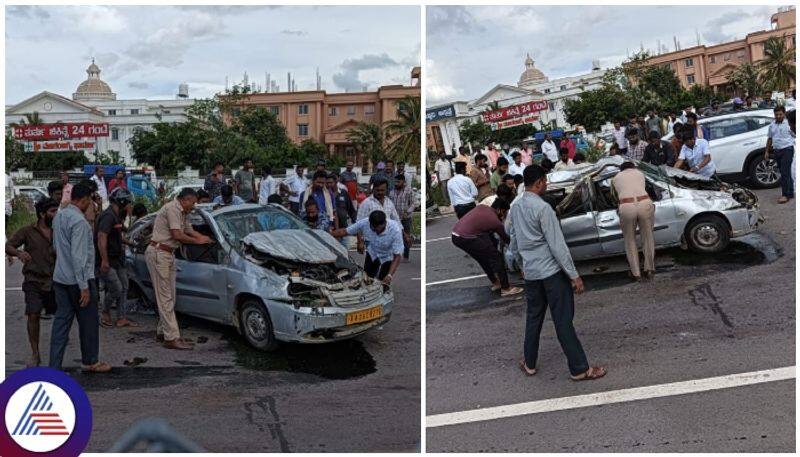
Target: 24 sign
[
  {"x": 60, "y": 131},
  {"x": 514, "y": 111}
]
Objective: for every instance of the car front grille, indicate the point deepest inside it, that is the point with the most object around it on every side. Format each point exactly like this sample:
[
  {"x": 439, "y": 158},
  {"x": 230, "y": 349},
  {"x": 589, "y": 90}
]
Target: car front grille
[{"x": 360, "y": 297}]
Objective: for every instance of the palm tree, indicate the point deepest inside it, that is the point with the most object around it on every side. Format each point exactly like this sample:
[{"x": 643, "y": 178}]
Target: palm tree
[
  {"x": 745, "y": 79},
  {"x": 777, "y": 68},
  {"x": 30, "y": 119},
  {"x": 368, "y": 139},
  {"x": 403, "y": 133}
]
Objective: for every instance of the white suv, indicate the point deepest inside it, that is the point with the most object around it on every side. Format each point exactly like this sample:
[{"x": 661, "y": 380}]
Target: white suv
[{"x": 737, "y": 142}]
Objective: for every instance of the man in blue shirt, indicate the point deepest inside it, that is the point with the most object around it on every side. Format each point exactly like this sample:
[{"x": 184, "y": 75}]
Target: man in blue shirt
[
  {"x": 226, "y": 197},
  {"x": 314, "y": 218},
  {"x": 319, "y": 193},
  {"x": 384, "y": 244},
  {"x": 74, "y": 283},
  {"x": 550, "y": 276}
]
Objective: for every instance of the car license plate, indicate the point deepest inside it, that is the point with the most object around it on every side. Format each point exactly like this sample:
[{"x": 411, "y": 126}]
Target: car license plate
[{"x": 364, "y": 315}]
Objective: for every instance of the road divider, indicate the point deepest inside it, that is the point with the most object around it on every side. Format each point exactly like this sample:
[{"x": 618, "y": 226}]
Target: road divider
[{"x": 611, "y": 397}]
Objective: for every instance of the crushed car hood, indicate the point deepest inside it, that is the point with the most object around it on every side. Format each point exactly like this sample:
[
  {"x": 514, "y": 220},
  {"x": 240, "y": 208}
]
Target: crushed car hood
[{"x": 308, "y": 246}]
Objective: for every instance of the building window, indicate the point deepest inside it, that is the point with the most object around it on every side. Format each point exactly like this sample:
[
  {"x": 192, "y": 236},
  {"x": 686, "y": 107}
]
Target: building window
[
  {"x": 690, "y": 79},
  {"x": 547, "y": 91},
  {"x": 712, "y": 59},
  {"x": 551, "y": 106},
  {"x": 564, "y": 87},
  {"x": 727, "y": 57},
  {"x": 351, "y": 110},
  {"x": 302, "y": 129},
  {"x": 114, "y": 134},
  {"x": 112, "y": 112},
  {"x": 369, "y": 110},
  {"x": 740, "y": 54},
  {"x": 275, "y": 110},
  {"x": 236, "y": 112},
  {"x": 332, "y": 111},
  {"x": 166, "y": 111},
  {"x": 688, "y": 62},
  {"x": 134, "y": 111},
  {"x": 302, "y": 109}
]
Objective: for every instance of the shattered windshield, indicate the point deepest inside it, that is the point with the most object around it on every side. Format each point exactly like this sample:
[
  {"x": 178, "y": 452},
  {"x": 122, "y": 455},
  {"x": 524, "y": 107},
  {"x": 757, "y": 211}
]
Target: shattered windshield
[{"x": 236, "y": 225}]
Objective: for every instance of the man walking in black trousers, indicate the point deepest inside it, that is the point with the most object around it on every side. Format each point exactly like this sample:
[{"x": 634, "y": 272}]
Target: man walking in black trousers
[{"x": 549, "y": 270}]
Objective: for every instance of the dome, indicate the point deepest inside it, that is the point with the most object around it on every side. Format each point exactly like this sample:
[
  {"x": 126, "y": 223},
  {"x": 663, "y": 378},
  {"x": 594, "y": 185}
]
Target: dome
[
  {"x": 93, "y": 88},
  {"x": 531, "y": 75}
]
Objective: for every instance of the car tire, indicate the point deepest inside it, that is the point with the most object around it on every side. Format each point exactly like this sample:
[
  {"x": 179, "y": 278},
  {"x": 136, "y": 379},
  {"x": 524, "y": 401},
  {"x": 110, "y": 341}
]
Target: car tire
[
  {"x": 708, "y": 234},
  {"x": 256, "y": 326},
  {"x": 764, "y": 174}
]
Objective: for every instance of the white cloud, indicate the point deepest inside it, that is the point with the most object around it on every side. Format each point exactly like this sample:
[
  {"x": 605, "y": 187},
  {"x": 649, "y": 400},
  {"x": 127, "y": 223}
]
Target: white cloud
[
  {"x": 102, "y": 19},
  {"x": 436, "y": 86}
]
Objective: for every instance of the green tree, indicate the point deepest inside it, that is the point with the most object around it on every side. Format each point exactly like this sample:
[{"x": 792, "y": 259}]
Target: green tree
[
  {"x": 745, "y": 80},
  {"x": 475, "y": 132},
  {"x": 778, "y": 67},
  {"x": 368, "y": 139},
  {"x": 403, "y": 133}
]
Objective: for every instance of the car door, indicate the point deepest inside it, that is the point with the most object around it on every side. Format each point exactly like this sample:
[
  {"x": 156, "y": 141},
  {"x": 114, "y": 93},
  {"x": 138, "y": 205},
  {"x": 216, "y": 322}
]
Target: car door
[
  {"x": 666, "y": 228},
  {"x": 201, "y": 277},
  {"x": 578, "y": 226},
  {"x": 731, "y": 143}
]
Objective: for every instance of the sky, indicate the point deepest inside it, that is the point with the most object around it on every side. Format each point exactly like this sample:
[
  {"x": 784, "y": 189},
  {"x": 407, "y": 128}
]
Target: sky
[
  {"x": 147, "y": 51},
  {"x": 470, "y": 49}
]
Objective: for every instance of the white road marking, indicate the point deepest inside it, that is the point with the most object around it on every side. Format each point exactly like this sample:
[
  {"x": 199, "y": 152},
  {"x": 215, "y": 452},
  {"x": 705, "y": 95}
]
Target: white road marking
[
  {"x": 438, "y": 239},
  {"x": 610, "y": 397},
  {"x": 446, "y": 281},
  {"x": 13, "y": 288}
]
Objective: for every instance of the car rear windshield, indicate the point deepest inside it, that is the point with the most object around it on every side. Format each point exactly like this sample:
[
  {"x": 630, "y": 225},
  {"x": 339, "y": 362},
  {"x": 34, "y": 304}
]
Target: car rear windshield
[{"x": 235, "y": 225}]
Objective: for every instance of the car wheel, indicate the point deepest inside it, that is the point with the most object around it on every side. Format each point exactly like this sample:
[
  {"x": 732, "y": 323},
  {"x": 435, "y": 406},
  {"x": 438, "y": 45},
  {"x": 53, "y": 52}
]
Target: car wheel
[
  {"x": 708, "y": 234},
  {"x": 764, "y": 173},
  {"x": 256, "y": 326}
]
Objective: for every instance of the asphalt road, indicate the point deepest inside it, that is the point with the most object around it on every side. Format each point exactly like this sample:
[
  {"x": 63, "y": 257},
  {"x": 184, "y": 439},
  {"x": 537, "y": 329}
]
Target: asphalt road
[
  {"x": 360, "y": 395},
  {"x": 700, "y": 318}
]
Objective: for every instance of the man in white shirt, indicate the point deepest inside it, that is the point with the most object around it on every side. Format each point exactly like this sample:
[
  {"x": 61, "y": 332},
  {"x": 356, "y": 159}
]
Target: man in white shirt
[
  {"x": 97, "y": 177},
  {"x": 297, "y": 184},
  {"x": 267, "y": 186},
  {"x": 516, "y": 167},
  {"x": 619, "y": 138},
  {"x": 780, "y": 144},
  {"x": 696, "y": 154},
  {"x": 443, "y": 174},
  {"x": 549, "y": 148},
  {"x": 462, "y": 191}
]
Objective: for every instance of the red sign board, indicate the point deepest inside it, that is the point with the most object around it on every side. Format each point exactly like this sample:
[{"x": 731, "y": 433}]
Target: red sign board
[
  {"x": 514, "y": 111},
  {"x": 79, "y": 145},
  {"x": 61, "y": 131},
  {"x": 515, "y": 121}
]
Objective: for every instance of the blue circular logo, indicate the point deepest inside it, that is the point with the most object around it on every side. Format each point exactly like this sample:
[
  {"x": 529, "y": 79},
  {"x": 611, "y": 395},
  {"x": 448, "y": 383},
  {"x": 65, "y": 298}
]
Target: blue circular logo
[{"x": 45, "y": 413}]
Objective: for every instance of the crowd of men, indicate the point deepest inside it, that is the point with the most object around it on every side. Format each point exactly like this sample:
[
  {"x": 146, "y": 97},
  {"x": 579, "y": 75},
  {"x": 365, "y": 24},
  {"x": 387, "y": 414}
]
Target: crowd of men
[
  {"x": 77, "y": 244},
  {"x": 496, "y": 196}
]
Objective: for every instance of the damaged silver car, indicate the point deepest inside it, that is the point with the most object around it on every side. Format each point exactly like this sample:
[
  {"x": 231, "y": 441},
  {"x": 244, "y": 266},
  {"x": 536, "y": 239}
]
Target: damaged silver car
[
  {"x": 692, "y": 211},
  {"x": 268, "y": 275}
]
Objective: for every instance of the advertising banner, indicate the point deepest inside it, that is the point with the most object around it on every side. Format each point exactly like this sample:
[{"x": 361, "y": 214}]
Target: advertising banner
[
  {"x": 60, "y": 131},
  {"x": 75, "y": 145},
  {"x": 514, "y": 111},
  {"x": 443, "y": 112},
  {"x": 513, "y": 122}
]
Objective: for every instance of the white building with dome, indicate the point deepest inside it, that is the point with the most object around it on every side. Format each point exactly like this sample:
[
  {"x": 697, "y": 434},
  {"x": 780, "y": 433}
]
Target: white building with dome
[{"x": 94, "y": 101}]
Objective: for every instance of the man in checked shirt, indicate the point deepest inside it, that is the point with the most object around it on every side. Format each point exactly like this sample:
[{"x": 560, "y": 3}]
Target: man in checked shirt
[{"x": 403, "y": 198}]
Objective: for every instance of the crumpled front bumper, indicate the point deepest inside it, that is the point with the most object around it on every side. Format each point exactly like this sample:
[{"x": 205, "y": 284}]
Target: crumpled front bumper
[
  {"x": 744, "y": 220},
  {"x": 328, "y": 323}
]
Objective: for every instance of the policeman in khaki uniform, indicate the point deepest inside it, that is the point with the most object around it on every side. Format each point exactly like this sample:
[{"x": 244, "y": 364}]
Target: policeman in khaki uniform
[
  {"x": 636, "y": 209},
  {"x": 169, "y": 230}
]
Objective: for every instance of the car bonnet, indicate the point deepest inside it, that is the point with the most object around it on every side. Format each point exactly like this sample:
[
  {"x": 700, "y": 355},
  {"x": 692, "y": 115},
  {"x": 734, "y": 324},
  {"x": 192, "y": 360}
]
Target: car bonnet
[{"x": 309, "y": 246}]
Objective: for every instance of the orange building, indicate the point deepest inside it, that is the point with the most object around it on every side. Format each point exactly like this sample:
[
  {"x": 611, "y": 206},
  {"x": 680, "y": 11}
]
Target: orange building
[
  {"x": 327, "y": 118},
  {"x": 710, "y": 65}
]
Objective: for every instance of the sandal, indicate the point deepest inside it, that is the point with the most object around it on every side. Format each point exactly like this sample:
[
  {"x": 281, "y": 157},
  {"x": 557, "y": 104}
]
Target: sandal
[
  {"x": 106, "y": 324},
  {"x": 525, "y": 369},
  {"x": 591, "y": 374},
  {"x": 99, "y": 367},
  {"x": 126, "y": 323},
  {"x": 511, "y": 291}
]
